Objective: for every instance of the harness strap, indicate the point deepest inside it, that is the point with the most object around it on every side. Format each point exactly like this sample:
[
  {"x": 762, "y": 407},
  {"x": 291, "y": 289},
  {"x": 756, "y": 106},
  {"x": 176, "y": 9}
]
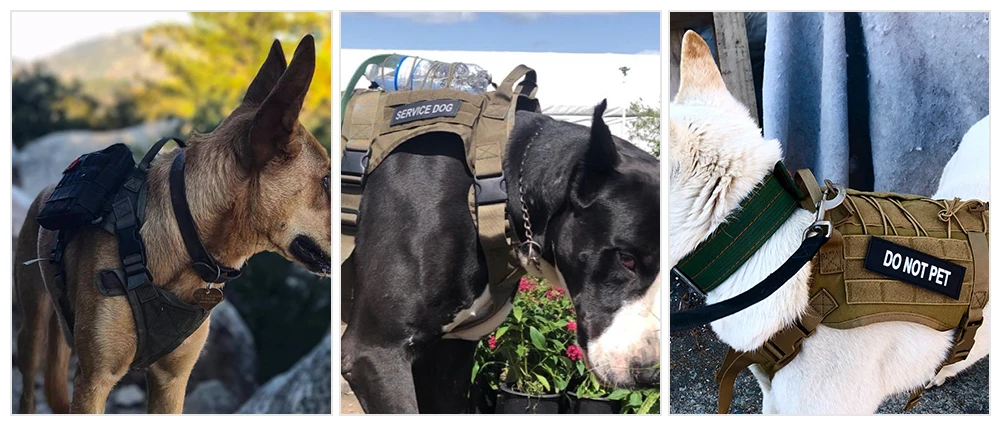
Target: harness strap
[
  {"x": 357, "y": 136},
  {"x": 805, "y": 181},
  {"x": 207, "y": 267},
  {"x": 489, "y": 195},
  {"x": 965, "y": 333},
  {"x": 777, "y": 351}
]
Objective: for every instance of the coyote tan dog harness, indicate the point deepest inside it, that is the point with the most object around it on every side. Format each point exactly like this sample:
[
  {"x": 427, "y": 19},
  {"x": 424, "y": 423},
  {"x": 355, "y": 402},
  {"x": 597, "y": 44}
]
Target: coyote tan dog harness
[
  {"x": 377, "y": 122},
  {"x": 890, "y": 257}
]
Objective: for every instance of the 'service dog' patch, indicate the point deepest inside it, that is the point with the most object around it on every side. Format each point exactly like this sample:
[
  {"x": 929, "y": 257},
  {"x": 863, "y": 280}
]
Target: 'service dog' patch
[
  {"x": 425, "y": 110},
  {"x": 914, "y": 267}
]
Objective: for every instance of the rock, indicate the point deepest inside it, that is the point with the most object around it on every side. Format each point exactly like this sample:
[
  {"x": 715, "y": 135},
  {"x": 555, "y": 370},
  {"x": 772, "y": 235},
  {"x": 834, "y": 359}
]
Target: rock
[
  {"x": 128, "y": 396},
  {"x": 229, "y": 355},
  {"x": 305, "y": 388},
  {"x": 40, "y": 162},
  {"x": 15, "y": 379},
  {"x": 211, "y": 397}
]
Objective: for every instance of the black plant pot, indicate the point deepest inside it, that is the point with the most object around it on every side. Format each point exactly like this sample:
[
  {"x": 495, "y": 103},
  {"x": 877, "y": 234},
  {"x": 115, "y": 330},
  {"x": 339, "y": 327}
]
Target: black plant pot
[
  {"x": 594, "y": 405},
  {"x": 482, "y": 399},
  {"x": 515, "y": 402}
]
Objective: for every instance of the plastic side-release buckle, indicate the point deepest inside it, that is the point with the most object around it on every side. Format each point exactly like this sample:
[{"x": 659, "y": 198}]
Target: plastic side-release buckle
[{"x": 491, "y": 190}]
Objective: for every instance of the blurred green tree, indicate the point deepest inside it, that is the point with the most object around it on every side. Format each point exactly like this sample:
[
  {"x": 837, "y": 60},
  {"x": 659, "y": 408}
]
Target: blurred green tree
[
  {"x": 42, "y": 103},
  {"x": 211, "y": 61},
  {"x": 646, "y": 126}
]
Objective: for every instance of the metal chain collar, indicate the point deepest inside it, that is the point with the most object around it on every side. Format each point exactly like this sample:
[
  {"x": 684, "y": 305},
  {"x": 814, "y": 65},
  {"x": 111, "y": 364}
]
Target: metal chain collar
[{"x": 530, "y": 246}]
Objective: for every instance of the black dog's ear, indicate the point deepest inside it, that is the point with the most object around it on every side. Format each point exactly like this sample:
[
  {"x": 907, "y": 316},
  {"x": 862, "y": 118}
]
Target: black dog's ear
[
  {"x": 602, "y": 154},
  {"x": 600, "y": 160},
  {"x": 268, "y": 75},
  {"x": 274, "y": 123}
]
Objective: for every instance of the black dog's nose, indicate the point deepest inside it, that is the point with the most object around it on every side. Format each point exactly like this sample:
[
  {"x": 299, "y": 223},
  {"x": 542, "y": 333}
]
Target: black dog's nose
[{"x": 645, "y": 376}]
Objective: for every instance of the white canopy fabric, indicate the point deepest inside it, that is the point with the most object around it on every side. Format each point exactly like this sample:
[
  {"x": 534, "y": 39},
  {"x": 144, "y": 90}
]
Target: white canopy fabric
[{"x": 569, "y": 84}]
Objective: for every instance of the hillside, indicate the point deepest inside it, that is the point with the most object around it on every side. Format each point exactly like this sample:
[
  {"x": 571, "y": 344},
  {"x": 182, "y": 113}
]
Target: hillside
[{"x": 103, "y": 64}]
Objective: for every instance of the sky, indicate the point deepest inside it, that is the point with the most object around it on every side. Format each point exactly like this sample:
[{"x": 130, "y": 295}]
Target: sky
[
  {"x": 522, "y": 32},
  {"x": 32, "y": 36}
]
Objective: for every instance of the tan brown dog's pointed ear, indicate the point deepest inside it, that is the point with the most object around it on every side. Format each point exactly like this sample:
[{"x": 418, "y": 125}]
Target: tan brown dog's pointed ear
[
  {"x": 699, "y": 73},
  {"x": 268, "y": 75},
  {"x": 274, "y": 123}
]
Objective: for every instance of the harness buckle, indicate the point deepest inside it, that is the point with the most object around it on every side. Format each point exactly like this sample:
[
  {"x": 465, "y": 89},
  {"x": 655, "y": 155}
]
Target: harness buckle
[
  {"x": 136, "y": 272},
  {"x": 355, "y": 163},
  {"x": 490, "y": 190}
]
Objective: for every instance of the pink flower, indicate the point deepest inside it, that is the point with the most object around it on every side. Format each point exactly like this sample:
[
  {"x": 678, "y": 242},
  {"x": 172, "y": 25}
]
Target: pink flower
[
  {"x": 525, "y": 285},
  {"x": 493, "y": 342},
  {"x": 571, "y": 326},
  {"x": 574, "y": 353}
]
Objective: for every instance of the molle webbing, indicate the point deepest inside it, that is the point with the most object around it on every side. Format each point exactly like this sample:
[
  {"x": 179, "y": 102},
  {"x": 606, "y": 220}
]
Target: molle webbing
[
  {"x": 759, "y": 215},
  {"x": 482, "y": 121},
  {"x": 846, "y": 295}
]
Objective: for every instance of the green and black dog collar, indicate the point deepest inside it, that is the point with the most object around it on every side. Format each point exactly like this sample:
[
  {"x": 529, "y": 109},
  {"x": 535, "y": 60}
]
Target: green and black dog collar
[{"x": 756, "y": 219}]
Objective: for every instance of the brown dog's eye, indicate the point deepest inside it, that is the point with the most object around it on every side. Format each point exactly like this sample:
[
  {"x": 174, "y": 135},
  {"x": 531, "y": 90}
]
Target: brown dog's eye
[
  {"x": 627, "y": 260},
  {"x": 326, "y": 184}
]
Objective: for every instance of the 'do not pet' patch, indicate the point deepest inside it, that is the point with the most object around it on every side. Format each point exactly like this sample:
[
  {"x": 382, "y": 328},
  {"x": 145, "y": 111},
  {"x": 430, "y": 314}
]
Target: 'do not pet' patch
[
  {"x": 914, "y": 267},
  {"x": 425, "y": 110}
]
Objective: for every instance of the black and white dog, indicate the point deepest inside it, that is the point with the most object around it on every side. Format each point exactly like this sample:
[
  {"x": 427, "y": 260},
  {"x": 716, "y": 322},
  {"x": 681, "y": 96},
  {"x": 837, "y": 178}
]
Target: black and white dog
[{"x": 594, "y": 206}]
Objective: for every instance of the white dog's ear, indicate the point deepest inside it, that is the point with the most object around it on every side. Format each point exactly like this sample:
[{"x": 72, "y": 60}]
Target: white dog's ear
[{"x": 700, "y": 76}]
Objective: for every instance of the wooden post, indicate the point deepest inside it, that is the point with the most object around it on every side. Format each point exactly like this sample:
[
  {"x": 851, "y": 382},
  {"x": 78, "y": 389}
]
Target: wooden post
[{"x": 734, "y": 58}]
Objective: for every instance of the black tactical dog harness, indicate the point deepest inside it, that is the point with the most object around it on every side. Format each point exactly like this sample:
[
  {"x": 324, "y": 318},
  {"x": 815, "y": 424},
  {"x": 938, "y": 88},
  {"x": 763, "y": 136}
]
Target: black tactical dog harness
[{"x": 81, "y": 199}]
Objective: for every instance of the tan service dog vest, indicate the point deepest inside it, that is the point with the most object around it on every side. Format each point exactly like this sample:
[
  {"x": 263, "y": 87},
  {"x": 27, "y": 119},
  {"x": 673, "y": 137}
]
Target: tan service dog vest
[
  {"x": 845, "y": 294},
  {"x": 377, "y": 122}
]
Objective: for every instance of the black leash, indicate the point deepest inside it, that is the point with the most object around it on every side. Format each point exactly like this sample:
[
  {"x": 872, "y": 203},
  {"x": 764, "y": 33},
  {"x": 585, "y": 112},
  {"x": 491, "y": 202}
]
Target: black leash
[
  {"x": 207, "y": 267},
  {"x": 710, "y": 313}
]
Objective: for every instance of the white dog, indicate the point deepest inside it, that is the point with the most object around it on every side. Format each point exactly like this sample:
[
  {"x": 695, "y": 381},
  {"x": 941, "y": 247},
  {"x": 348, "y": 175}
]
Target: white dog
[{"x": 717, "y": 156}]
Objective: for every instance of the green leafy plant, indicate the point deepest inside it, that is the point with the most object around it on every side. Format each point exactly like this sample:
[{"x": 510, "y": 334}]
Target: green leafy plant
[
  {"x": 638, "y": 401},
  {"x": 533, "y": 350},
  {"x": 646, "y": 126},
  {"x": 589, "y": 387}
]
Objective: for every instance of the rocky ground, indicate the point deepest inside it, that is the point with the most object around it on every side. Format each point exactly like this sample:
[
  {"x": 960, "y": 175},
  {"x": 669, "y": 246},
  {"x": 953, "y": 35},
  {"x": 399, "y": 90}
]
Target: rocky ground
[{"x": 695, "y": 356}]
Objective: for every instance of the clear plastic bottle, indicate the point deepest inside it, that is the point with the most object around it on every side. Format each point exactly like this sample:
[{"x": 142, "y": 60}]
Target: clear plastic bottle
[{"x": 401, "y": 72}]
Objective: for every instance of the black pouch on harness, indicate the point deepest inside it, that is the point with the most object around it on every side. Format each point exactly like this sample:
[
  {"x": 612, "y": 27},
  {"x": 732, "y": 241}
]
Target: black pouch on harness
[{"x": 82, "y": 195}]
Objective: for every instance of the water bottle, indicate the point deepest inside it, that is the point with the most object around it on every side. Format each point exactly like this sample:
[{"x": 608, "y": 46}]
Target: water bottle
[{"x": 401, "y": 72}]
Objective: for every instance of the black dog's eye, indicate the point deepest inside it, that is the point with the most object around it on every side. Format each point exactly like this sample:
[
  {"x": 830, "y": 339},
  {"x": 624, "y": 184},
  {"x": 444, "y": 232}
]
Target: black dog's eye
[
  {"x": 627, "y": 260},
  {"x": 326, "y": 184}
]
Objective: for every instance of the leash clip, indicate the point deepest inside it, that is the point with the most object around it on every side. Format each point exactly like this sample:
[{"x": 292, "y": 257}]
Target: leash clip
[{"x": 821, "y": 225}]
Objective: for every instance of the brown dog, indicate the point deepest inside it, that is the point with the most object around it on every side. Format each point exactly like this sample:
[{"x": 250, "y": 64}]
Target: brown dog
[{"x": 258, "y": 182}]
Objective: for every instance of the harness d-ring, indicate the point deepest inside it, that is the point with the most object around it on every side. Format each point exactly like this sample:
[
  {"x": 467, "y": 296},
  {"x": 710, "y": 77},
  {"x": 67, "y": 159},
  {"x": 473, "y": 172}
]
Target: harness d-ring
[{"x": 533, "y": 251}]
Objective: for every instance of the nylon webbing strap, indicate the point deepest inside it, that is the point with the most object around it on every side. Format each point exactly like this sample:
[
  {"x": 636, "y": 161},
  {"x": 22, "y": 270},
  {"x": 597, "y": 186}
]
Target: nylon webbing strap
[
  {"x": 965, "y": 334},
  {"x": 777, "y": 351},
  {"x": 357, "y": 136},
  {"x": 731, "y": 245},
  {"x": 490, "y": 140}
]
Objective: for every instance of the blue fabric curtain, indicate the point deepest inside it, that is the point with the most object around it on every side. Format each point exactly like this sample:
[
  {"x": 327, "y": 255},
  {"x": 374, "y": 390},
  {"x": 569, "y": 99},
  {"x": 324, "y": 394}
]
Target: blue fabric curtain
[{"x": 874, "y": 100}]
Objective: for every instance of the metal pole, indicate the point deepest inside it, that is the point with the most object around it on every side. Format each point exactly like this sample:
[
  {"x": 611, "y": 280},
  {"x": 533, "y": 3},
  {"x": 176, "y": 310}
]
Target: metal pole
[{"x": 624, "y": 71}]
